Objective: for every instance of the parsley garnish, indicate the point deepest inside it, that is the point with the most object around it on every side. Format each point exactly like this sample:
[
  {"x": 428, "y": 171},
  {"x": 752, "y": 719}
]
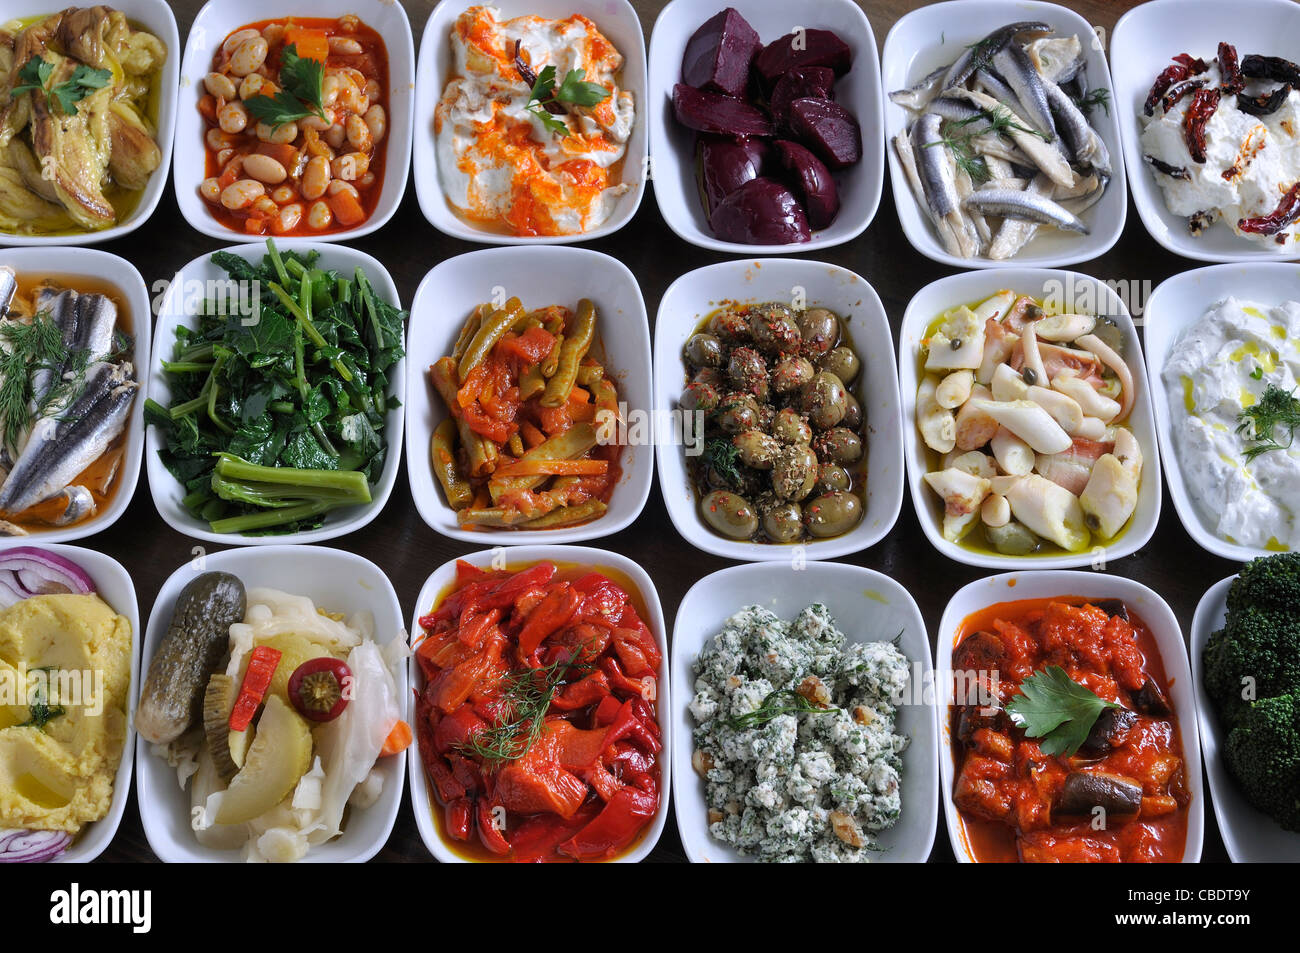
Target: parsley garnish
[
  {"x": 545, "y": 99},
  {"x": 84, "y": 80},
  {"x": 41, "y": 713},
  {"x": 1259, "y": 424},
  {"x": 1056, "y": 710},
  {"x": 785, "y": 701},
  {"x": 300, "y": 94}
]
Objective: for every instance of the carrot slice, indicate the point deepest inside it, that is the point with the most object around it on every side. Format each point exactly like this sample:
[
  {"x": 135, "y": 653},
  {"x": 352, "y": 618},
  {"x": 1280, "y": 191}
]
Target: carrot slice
[
  {"x": 398, "y": 740},
  {"x": 347, "y": 208},
  {"x": 308, "y": 43}
]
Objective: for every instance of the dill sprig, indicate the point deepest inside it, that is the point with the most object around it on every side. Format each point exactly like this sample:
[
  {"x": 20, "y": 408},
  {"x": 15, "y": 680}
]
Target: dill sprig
[
  {"x": 785, "y": 701},
  {"x": 24, "y": 348},
  {"x": 1097, "y": 97},
  {"x": 1259, "y": 424},
  {"x": 723, "y": 457},
  {"x": 998, "y": 120},
  {"x": 526, "y": 695}
]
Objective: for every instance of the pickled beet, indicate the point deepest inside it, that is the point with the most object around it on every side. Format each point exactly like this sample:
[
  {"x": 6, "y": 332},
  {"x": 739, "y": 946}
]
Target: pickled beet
[
  {"x": 761, "y": 212},
  {"x": 704, "y": 111},
  {"x": 828, "y": 129},
  {"x": 805, "y": 48},
  {"x": 815, "y": 82},
  {"x": 821, "y": 200},
  {"x": 725, "y": 164},
  {"x": 719, "y": 54}
]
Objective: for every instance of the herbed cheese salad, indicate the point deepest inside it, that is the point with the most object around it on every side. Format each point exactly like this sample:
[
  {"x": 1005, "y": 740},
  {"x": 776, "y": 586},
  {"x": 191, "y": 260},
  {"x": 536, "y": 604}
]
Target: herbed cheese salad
[
  {"x": 532, "y": 129},
  {"x": 1231, "y": 382},
  {"x": 795, "y": 737},
  {"x": 1222, "y": 139}
]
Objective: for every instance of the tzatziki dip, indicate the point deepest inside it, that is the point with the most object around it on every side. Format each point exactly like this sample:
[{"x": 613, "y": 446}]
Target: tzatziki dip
[
  {"x": 1239, "y": 165},
  {"x": 532, "y": 129},
  {"x": 1217, "y": 370}
]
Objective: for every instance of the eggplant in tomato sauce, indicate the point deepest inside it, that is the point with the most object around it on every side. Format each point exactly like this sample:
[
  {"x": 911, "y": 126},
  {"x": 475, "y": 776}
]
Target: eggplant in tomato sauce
[{"x": 1107, "y": 783}]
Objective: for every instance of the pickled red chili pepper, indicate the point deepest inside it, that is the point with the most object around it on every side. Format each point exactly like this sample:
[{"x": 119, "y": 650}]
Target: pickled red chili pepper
[
  {"x": 1167, "y": 78},
  {"x": 1287, "y": 211},
  {"x": 1232, "y": 82},
  {"x": 1178, "y": 91},
  {"x": 1203, "y": 105}
]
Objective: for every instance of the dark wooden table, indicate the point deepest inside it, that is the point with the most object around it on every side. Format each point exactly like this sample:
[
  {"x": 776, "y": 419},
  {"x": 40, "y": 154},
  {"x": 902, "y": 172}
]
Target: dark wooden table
[{"x": 408, "y": 550}]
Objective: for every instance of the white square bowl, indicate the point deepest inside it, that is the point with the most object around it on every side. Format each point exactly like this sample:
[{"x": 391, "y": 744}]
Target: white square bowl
[
  {"x": 934, "y": 35},
  {"x": 67, "y": 265},
  {"x": 539, "y": 277},
  {"x": 1250, "y": 836},
  {"x": 1143, "y": 43},
  {"x": 113, "y": 583},
  {"x": 336, "y": 581},
  {"x": 1083, "y": 293},
  {"x": 216, "y": 21},
  {"x": 1148, "y": 606},
  {"x": 441, "y": 583},
  {"x": 672, "y": 145},
  {"x": 691, "y": 298},
  {"x": 156, "y": 17},
  {"x": 168, "y": 493},
  {"x": 617, "y": 21},
  {"x": 1175, "y": 306},
  {"x": 868, "y": 607}
]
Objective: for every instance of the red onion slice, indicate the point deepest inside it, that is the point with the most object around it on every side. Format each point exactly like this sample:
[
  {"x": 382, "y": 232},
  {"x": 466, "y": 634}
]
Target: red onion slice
[
  {"x": 32, "y": 847},
  {"x": 31, "y": 571}
]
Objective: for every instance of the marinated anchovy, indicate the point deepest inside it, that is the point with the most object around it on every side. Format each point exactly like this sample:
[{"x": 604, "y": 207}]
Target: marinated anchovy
[
  {"x": 1198, "y": 115},
  {"x": 1014, "y": 65},
  {"x": 1023, "y": 205},
  {"x": 918, "y": 97},
  {"x": 980, "y": 54}
]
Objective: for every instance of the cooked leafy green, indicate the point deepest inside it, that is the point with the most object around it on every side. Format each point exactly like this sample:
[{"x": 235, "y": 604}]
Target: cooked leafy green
[{"x": 279, "y": 417}]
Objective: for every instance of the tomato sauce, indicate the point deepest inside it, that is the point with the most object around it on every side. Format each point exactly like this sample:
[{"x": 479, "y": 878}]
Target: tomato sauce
[
  {"x": 536, "y": 718},
  {"x": 1011, "y": 795},
  {"x": 222, "y": 165}
]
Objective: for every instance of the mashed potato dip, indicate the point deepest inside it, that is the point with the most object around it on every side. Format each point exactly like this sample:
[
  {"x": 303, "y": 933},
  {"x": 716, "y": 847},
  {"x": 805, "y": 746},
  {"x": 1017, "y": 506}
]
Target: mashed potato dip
[
  {"x": 509, "y": 165},
  {"x": 1220, "y": 367}
]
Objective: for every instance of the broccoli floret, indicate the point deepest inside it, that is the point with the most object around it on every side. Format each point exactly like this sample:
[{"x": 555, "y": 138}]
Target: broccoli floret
[
  {"x": 1259, "y": 644},
  {"x": 1263, "y": 753},
  {"x": 1270, "y": 582}
]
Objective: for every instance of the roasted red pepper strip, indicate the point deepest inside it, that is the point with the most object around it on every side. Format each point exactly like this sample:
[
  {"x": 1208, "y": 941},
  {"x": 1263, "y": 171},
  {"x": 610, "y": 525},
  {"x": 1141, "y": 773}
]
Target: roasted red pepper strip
[
  {"x": 589, "y": 691},
  {"x": 489, "y": 833},
  {"x": 262, "y": 663},
  {"x": 625, "y": 814},
  {"x": 460, "y": 818},
  {"x": 607, "y": 711},
  {"x": 1202, "y": 107},
  {"x": 553, "y": 613},
  {"x": 1232, "y": 82},
  {"x": 628, "y": 725},
  {"x": 1287, "y": 211}
]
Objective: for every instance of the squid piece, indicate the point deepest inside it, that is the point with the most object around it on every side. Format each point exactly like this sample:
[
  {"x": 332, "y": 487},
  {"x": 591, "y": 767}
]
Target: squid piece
[
  {"x": 938, "y": 426},
  {"x": 1093, "y": 403},
  {"x": 962, "y": 493},
  {"x": 995, "y": 511},
  {"x": 999, "y": 342},
  {"x": 958, "y": 344},
  {"x": 975, "y": 426},
  {"x": 1032, "y": 356},
  {"x": 972, "y": 462},
  {"x": 1008, "y": 385},
  {"x": 1063, "y": 328},
  {"x": 1014, "y": 456},
  {"x": 1065, "y": 410},
  {"x": 1110, "y": 497},
  {"x": 954, "y": 390},
  {"x": 1127, "y": 451},
  {"x": 1092, "y": 428},
  {"x": 1106, "y": 354},
  {"x": 1051, "y": 511},
  {"x": 1027, "y": 420}
]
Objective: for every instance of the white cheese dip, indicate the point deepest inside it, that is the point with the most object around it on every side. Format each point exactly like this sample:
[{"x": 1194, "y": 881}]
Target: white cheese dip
[
  {"x": 498, "y": 163},
  {"x": 1260, "y": 156},
  {"x": 1219, "y": 367}
]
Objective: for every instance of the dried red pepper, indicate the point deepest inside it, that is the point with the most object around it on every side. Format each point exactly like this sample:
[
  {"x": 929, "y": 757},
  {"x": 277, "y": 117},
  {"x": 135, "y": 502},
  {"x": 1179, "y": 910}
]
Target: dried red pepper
[
  {"x": 1195, "y": 65},
  {"x": 1203, "y": 105},
  {"x": 1231, "y": 80},
  {"x": 1178, "y": 91},
  {"x": 1287, "y": 211},
  {"x": 1167, "y": 78},
  {"x": 1265, "y": 104}
]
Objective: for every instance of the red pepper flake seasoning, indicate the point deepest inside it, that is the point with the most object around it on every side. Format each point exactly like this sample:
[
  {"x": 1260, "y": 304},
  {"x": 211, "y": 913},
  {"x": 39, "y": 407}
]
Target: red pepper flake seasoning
[
  {"x": 1204, "y": 103},
  {"x": 1287, "y": 211}
]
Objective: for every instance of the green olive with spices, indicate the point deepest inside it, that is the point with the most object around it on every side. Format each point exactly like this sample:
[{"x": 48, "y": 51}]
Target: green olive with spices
[
  {"x": 729, "y": 514},
  {"x": 832, "y": 514},
  {"x": 843, "y": 363},
  {"x": 783, "y": 523},
  {"x": 794, "y": 473},
  {"x": 823, "y": 399},
  {"x": 791, "y": 427},
  {"x": 838, "y": 445},
  {"x": 756, "y": 449},
  {"x": 704, "y": 350}
]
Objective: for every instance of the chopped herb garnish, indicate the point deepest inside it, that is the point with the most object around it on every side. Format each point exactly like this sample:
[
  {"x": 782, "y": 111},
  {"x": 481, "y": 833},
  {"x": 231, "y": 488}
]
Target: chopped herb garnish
[
  {"x": 41, "y": 713},
  {"x": 785, "y": 701},
  {"x": 546, "y": 101},
  {"x": 1270, "y": 424},
  {"x": 1056, "y": 710},
  {"x": 35, "y": 75},
  {"x": 723, "y": 457},
  {"x": 997, "y": 120}
]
